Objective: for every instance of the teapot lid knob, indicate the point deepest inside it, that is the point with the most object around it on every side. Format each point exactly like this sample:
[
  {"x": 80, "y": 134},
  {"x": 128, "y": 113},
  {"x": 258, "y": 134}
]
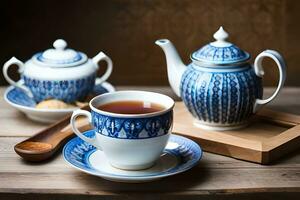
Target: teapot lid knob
[
  {"x": 221, "y": 35},
  {"x": 60, "y": 44}
]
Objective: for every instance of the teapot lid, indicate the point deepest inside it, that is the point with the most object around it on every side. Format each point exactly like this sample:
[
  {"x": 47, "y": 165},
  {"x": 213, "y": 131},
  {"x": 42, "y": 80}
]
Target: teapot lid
[
  {"x": 220, "y": 52},
  {"x": 60, "y": 56}
]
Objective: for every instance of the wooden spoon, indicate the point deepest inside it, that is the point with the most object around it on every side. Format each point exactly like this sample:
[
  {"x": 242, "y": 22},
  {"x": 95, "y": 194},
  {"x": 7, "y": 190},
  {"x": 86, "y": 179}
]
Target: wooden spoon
[{"x": 47, "y": 142}]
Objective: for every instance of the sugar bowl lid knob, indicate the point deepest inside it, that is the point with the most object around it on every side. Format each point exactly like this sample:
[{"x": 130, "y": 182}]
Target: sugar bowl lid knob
[{"x": 60, "y": 44}]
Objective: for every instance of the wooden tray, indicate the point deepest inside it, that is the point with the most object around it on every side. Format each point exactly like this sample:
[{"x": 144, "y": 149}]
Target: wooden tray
[{"x": 271, "y": 135}]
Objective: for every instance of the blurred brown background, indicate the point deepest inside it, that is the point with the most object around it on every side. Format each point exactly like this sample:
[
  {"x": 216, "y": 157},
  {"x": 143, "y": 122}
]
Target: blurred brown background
[{"x": 126, "y": 30}]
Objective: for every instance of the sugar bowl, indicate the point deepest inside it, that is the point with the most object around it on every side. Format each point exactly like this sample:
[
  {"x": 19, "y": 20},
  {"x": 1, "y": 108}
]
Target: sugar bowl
[{"x": 58, "y": 73}]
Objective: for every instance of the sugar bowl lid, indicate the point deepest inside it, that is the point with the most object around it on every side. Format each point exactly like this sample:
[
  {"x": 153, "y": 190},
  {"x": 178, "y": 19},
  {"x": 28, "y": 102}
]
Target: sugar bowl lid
[
  {"x": 60, "y": 56},
  {"x": 220, "y": 52}
]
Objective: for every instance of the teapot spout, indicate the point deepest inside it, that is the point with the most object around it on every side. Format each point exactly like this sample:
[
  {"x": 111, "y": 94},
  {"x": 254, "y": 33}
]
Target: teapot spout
[{"x": 174, "y": 64}]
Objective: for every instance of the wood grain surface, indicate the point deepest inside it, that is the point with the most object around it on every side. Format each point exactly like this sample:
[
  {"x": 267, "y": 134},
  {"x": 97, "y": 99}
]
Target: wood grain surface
[
  {"x": 269, "y": 136},
  {"x": 126, "y": 31},
  {"x": 215, "y": 177}
]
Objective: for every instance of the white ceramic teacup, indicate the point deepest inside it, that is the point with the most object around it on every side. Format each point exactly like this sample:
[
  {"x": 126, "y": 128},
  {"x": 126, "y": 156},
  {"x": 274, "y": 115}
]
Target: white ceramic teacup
[{"x": 129, "y": 141}]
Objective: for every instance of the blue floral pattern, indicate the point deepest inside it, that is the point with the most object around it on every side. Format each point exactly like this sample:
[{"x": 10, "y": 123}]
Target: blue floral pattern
[
  {"x": 19, "y": 97},
  {"x": 220, "y": 97},
  {"x": 66, "y": 90},
  {"x": 77, "y": 152},
  {"x": 40, "y": 57},
  {"x": 220, "y": 55},
  {"x": 132, "y": 128}
]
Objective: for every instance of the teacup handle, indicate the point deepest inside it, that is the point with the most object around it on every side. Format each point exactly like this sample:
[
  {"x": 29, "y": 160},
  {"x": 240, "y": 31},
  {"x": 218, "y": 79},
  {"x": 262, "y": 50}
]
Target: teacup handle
[
  {"x": 101, "y": 56},
  {"x": 259, "y": 71},
  {"x": 77, "y": 113},
  {"x": 18, "y": 84}
]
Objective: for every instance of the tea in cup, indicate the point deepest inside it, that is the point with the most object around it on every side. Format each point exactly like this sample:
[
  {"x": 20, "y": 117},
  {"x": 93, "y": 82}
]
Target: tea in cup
[{"x": 132, "y": 128}]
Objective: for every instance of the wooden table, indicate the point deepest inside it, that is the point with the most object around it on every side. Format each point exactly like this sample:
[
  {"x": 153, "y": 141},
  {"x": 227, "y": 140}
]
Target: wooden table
[{"x": 215, "y": 177}]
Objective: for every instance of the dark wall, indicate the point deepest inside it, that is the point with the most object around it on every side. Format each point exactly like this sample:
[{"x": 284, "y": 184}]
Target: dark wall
[{"x": 126, "y": 31}]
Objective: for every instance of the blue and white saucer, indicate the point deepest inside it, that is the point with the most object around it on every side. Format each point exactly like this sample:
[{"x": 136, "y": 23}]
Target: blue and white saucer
[
  {"x": 179, "y": 155},
  {"x": 21, "y": 101}
]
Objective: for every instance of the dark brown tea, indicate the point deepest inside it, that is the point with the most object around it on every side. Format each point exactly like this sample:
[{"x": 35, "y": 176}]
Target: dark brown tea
[{"x": 131, "y": 107}]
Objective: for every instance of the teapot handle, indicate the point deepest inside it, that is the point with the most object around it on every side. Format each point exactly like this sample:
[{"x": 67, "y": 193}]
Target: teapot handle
[
  {"x": 101, "y": 56},
  {"x": 18, "y": 84},
  {"x": 259, "y": 71}
]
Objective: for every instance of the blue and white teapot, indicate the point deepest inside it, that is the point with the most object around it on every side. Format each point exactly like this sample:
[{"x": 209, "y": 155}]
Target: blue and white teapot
[
  {"x": 220, "y": 87},
  {"x": 58, "y": 73}
]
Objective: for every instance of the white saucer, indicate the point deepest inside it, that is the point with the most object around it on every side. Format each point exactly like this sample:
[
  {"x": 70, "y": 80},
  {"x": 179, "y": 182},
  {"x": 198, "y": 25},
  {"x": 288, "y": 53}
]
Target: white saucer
[
  {"x": 18, "y": 99},
  {"x": 180, "y": 155}
]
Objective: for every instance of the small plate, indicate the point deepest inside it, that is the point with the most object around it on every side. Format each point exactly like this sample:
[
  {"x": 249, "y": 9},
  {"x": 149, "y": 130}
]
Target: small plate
[
  {"x": 21, "y": 101},
  {"x": 179, "y": 155}
]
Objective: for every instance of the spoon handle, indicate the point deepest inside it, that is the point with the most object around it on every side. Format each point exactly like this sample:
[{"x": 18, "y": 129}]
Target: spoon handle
[{"x": 55, "y": 135}]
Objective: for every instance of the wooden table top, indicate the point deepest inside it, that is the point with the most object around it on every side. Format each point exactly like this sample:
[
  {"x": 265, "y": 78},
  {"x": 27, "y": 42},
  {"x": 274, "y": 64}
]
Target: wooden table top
[{"x": 215, "y": 177}]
